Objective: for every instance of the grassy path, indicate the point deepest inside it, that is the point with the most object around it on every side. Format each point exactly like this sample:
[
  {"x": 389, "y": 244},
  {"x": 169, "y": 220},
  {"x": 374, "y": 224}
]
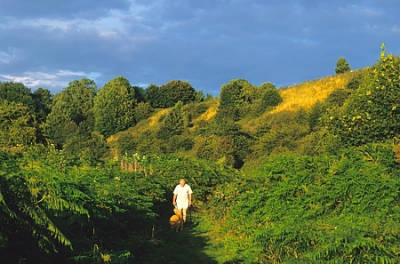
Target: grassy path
[{"x": 188, "y": 246}]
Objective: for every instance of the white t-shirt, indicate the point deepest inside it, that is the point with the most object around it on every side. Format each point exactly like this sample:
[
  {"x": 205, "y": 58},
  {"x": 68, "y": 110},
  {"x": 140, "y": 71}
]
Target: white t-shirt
[{"x": 182, "y": 196}]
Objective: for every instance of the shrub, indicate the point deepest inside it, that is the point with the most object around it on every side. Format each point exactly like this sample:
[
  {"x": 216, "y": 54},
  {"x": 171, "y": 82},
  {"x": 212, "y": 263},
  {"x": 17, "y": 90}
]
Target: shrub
[
  {"x": 300, "y": 209},
  {"x": 173, "y": 123},
  {"x": 126, "y": 144},
  {"x": 271, "y": 98},
  {"x": 143, "y": 111},
  {"x": 372, "y": 111}
]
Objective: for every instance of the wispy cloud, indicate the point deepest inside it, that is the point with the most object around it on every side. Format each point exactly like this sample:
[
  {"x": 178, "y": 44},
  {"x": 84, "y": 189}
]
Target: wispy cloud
[
  {"x": 7, "y": 57},
  {"x": 59, "y": 79}
]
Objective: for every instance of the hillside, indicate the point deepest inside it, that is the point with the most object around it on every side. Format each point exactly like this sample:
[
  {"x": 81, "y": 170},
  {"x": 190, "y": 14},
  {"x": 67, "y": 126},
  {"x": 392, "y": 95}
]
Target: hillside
[
  {"x": 302, "y": 174},
  {"x": 306, "y": 94},
  {"x": 300, "y": 96}
]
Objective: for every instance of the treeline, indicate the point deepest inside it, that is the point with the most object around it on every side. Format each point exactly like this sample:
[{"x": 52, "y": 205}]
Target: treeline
[
  {"x": 209, "y": 129},
  {"x": 81, "y": 116}
]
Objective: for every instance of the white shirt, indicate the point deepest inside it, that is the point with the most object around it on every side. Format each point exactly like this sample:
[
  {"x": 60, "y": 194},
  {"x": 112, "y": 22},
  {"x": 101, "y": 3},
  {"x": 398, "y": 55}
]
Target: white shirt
[{"x": 182, "y": 195}]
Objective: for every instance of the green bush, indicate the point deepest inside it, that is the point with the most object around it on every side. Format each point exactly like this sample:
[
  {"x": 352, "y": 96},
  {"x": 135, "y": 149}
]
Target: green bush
[
  {"x": 170, "y": 93},
  {"x": 372, "y": 111},
  {"x": 143, "y": 111},
  {"x": 173, "y": 123},
  {"x": 126, "y": 144},
  {"x": 323, "y": 209},
  {"x": 271, "y": 98}
]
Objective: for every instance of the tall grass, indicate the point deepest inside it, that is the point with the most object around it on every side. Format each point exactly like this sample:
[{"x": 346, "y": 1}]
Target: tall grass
[{"x": 307, "y": 94}]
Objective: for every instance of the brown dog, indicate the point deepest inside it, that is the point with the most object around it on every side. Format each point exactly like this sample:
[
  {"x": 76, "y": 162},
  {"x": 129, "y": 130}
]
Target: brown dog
[{"x": 176, "y": 221}]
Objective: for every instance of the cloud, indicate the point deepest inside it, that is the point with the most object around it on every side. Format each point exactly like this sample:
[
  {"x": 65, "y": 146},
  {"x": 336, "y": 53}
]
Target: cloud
[
  {"x": 6, "y": 57},
  {"x": 9, "y": 56},
  {"x": 206, "y": 42},
  {"x": 58, "y": 79}
]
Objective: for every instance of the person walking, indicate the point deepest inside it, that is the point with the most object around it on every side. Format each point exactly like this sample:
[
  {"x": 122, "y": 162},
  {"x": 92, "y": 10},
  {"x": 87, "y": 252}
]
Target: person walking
[{"x": 182, "y": 198}]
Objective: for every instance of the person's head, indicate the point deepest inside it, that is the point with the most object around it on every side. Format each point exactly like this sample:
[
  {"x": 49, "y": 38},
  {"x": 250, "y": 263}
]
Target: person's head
[{"x": 182, "y": 182}]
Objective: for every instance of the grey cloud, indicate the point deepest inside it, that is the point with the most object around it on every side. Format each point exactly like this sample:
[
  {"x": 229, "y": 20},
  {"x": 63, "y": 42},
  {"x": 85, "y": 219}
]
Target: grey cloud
[{"x": 205, "y": 42}]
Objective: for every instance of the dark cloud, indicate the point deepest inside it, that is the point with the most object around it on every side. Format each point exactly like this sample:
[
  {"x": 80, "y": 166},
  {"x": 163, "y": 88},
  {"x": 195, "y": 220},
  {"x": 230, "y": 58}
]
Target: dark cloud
[{"x": 205, "y": 42}]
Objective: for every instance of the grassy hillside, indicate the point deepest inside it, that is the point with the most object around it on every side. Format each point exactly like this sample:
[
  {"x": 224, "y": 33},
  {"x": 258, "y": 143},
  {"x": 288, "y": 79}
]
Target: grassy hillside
[
  {"x": 306, "y": 94},
  {"x": 202, "y": 114}
]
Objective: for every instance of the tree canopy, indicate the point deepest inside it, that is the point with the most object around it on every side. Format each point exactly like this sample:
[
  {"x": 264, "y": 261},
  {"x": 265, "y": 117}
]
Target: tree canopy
[
  {"x": 114, "y": 106},
  {"x": 71, "y": 108},
  {"x": 342, "y": 66}
]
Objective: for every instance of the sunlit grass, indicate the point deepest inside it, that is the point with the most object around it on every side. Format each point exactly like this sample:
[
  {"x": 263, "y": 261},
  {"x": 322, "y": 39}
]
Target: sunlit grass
[{"x": 307, "y": 94}]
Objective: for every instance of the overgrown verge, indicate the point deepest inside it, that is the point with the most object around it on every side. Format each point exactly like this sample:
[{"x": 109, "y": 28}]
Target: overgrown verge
[{"x": 301, "y": 209}]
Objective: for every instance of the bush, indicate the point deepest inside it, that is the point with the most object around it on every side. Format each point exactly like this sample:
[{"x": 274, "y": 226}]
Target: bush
[
  {"x": 337, "y": 97},
  {"x": 173, "y": 123},
  {"x": 126, "y": 144},
  {"x": 372, "y": 111},
  {"x": 323, "y": 209},
  {"x": 143, "y": 111},
  {"x": 170, "y": 93},
  {"x": 271, "y": 98}
]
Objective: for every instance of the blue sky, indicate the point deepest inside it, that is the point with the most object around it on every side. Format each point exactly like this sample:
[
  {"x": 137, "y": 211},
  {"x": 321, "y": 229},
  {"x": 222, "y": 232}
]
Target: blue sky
[{"x": 47, "y": 43}]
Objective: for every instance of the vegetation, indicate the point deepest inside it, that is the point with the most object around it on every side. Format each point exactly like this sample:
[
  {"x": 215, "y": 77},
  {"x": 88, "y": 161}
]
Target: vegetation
[
  {"x": 342, "y": 66},
  {"x": 114, "y": 107},
  {"x": 301, "y": 174},
  {"x": 301, "y": 209},
  {"x": 170, "y": 93}
]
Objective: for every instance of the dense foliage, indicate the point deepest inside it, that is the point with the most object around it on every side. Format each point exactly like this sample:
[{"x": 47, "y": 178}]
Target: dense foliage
[
  {"x": 114, "y": 106},
  {"x": 71, "y": 112},
  {"x": 86, "y": 176},
  {"x": 53, "y": 208},
  {"x": 372, "y": 111},
  {"x": 169, "y": 94},
  {"x": 301, "y": 209}
]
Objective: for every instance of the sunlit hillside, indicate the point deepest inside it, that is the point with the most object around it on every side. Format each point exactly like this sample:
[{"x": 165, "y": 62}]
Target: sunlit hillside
[
  {"x": 303, "y": 95},
  {"x": 306, "y": 94}
]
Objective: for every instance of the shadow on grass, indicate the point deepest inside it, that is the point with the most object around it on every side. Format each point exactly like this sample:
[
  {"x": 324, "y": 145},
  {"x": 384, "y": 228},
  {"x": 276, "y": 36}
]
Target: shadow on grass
[{"x": 170, "y": 247}]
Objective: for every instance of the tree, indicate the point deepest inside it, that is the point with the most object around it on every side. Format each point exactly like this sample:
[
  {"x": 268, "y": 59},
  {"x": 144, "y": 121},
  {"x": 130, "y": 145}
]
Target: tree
[
  {"x": 170, "y": 93},
  {"x": 114, "y": 106},
  {"x": 153, "y": 95},
  {"x": 173, "y": 124},
  {"x": 342, "y": 66},
  {"x": 231, "y": 98},
  {"x": 17, "y": 124},
  {"x": 16, "y": 92},
  {"x": 42, "y": 99},
  {"x": 71, "y": 109},
  {"x": 176, "y": 91},
  {"x": 143, "y": 111},
  {"x": 140, "y": 94},
  {"x": 199, "y": 96},
  {"x": 271, "y": 98}
]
